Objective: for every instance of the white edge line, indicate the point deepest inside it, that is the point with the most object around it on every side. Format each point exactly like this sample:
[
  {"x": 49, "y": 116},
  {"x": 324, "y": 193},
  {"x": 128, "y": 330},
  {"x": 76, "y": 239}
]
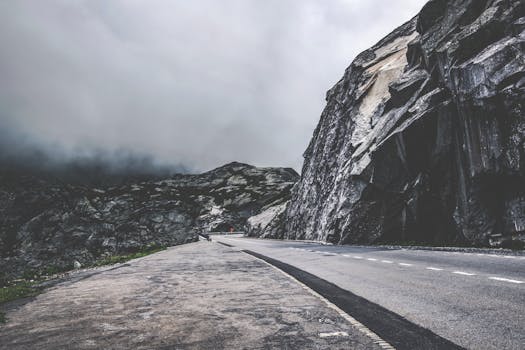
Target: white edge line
[
  {"x": 434, "y": 268},
  {"x": 387, "y": 261},
  {"x": 358, "y": 325},
  {"x": 405, "y": 264}
]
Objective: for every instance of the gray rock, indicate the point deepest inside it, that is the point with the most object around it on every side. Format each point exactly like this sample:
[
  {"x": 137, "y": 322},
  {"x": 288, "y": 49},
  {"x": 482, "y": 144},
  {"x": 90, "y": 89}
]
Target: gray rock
[
  {"x": 44, "y": 222},
  {"x": 422, "y": 140}
]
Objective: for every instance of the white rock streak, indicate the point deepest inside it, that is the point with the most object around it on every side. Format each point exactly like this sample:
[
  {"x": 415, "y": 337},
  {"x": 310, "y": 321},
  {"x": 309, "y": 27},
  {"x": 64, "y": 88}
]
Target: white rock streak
[{"x": 333, "y": 334}]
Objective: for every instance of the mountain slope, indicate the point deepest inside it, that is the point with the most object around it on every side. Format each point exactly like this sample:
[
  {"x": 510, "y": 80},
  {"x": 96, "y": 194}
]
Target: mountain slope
[{"x": 44, "y": 222}]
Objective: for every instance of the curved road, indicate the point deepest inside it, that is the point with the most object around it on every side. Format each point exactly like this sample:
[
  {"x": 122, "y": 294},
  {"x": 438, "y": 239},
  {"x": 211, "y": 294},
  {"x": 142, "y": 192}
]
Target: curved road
[{"x": 475, "y": 300}]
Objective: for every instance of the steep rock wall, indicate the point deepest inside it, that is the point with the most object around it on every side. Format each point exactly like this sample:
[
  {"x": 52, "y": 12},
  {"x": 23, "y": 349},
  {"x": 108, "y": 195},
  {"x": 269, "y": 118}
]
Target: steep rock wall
[{"x": 422, "y": 140}]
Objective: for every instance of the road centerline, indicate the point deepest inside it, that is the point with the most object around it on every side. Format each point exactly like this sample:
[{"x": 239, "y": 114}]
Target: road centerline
[
  {"x": 506, "y": 280},
  {"x": 463, "y": 273}
]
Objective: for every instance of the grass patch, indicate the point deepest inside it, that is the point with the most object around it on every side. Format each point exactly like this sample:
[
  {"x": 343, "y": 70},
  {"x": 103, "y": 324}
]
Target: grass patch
[
  {"x": 31, "y": 283},
  {"x": 426, "y": 244},
  {"x": 18, "y": 290},
  {"x": 116, "y": 259}
]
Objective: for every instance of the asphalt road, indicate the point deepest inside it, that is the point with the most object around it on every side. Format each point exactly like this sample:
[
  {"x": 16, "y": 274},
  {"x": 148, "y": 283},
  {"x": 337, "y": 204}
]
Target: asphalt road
[
  {"x": 476, "y": 300},
  {"x": 194, "y": 296}
]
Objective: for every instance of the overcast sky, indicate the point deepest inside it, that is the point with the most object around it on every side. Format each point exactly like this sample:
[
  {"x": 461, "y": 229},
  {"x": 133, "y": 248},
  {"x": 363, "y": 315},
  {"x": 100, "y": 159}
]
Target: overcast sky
[{"x": 199, "y": 83}]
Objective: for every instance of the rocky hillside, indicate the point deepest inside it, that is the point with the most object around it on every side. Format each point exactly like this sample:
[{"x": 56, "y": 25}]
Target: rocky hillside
[
  {"x": 46, "y": 223},
  {"x": 422, "y": 140}
]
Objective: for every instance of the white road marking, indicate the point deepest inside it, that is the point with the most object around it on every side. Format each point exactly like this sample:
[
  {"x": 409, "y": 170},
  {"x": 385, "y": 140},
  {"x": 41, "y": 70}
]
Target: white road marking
[
  {"x": 492, "y": 255},
  {"x": 333, "y": 334},
  {"x": 501, "y": 279},
  {"x": 464, "y": 273},
  {"x": 505, "y": 280},
  {"x": 500, "y": 256}
]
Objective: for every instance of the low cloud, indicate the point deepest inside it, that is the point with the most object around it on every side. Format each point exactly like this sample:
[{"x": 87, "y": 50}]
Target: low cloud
[{"x": 198, "y": 83}]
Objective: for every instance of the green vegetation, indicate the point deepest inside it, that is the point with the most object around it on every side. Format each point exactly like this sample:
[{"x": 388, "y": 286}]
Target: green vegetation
[
  {"x": 18, "y": 290},
  {"x": 513, "y": 244},
  {"x": 115, "y": 259},
  {"x": 41, "y": 274},
  {"x": 31, "y": 283}
]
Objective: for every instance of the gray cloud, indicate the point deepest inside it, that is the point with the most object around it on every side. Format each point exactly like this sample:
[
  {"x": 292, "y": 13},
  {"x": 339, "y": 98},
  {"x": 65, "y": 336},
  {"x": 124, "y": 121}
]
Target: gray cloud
[{"x": 198, "y": 83}]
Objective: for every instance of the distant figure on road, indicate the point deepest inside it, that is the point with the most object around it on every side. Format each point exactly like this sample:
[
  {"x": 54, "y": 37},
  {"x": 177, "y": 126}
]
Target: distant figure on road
[{"x": 231, "y": 230}]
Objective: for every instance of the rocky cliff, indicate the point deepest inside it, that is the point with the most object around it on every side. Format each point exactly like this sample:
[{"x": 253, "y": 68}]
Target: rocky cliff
[
  {"x": 422, "y": 140},
  {"x": 47, "y": 223}
]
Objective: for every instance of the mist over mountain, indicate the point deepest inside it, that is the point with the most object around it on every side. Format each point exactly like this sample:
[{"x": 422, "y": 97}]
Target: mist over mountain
[
  {"x": 195, "y": 83},
  {"x": 90, "y": 168}
]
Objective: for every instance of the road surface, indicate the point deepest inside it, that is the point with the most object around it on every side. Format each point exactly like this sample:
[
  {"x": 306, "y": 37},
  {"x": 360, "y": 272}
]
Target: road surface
[
  {"x": 475, "y": 300},
  {"x": 195, "y": 296}
]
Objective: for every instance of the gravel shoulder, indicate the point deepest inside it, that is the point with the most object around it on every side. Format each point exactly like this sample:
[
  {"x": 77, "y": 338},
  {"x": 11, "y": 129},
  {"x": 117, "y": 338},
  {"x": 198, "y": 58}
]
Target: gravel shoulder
[{"x": 197, "y": 296}]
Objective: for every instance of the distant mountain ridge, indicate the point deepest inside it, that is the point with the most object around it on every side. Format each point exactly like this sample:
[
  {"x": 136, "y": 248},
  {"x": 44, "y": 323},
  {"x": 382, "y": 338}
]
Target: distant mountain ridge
[{"x": 46, "y": 222}]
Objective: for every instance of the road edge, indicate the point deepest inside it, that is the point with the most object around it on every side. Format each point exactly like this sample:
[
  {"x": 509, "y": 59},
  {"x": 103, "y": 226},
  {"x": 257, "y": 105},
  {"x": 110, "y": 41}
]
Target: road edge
[
  {"x": 358, "y": 325},
  {"x": 422, "y": 337}
]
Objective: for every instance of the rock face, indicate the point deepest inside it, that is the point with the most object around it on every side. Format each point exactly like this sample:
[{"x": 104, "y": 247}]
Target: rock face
[
  {"x": 422, "y": 140},
  {"x": 45, "y": 223}
]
